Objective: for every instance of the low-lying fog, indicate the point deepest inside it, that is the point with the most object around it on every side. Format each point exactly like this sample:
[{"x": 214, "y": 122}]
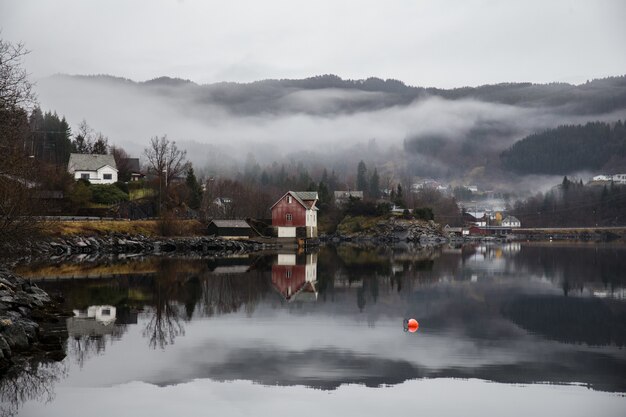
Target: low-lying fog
[{"x": 220, "y": 124}]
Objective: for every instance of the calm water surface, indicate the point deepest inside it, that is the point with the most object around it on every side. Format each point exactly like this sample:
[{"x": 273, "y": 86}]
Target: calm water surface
[{"x": 504, "y": 330}]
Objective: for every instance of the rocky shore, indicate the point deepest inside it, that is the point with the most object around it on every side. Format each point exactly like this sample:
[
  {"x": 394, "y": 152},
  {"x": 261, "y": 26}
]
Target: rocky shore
[
  {"x": 393, "y": 229},
  {"x": 31, "y": 324},
  {"x": 138, "y": 244}
]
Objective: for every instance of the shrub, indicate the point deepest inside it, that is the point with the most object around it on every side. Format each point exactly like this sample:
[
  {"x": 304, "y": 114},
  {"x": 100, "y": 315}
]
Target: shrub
[
  {"x": 107, "y": 194},
  {"x": 423, "y": 213},
  {"x": 122, "y": 186}
]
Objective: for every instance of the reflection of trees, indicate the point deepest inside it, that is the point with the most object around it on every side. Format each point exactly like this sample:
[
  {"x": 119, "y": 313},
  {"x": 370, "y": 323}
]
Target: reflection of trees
[
  {"x": 227, "y": 293},
  {"x": 592, "y": 321},
  {"x": 165, "y": 321},
  {"x": 83, "y": 347},
  {"x": 34, "y": 381}
]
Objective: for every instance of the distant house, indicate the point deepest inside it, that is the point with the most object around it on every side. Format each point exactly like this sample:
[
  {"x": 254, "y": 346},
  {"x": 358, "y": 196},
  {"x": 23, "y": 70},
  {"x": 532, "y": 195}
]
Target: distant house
[
  {"x": 619, "y": 179},
  {"x": 429, "y": 184},
  {"x": 606, "y": 178},
  {"x": 295, "y": 214},
  {"x": 475, "y": 218},
  {"x": 223, "y": 203},
  {"x": 510, "y": 221},
  {"x": 134, "y": 168},
  {"x": 342, "y": 197},
  {"x": 97, "y": 169},
  {"x": 230, "y": 229}
]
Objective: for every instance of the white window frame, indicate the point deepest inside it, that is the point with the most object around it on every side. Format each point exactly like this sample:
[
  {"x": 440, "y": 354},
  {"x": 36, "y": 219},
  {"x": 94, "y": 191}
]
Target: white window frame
[{"x": 289, "y": 217}]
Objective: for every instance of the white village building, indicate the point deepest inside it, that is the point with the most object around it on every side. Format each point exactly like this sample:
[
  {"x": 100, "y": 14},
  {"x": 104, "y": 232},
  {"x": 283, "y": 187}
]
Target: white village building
[
  {"x": 97, "y": 169},
  {"x": 511, "y": 221}
]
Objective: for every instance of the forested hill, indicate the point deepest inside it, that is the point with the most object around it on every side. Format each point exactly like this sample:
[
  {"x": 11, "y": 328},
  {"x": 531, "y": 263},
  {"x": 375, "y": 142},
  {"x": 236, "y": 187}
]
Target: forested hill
[
  {"x": 333, "y": 94},
  {"x": 566, "y": 149}
]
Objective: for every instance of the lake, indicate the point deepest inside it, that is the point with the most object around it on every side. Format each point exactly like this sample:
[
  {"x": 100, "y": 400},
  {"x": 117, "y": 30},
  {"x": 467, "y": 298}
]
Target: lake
[{"x": 512, "y": 329}]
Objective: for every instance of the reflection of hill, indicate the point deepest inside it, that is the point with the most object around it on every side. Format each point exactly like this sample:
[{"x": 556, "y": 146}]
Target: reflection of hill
[
  {"x": 575, "y": 264},
  {"x": 570, "y": 319}
]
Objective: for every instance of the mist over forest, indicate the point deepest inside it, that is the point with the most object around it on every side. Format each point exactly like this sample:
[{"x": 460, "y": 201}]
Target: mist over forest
[{"x": 456, "y": 135}]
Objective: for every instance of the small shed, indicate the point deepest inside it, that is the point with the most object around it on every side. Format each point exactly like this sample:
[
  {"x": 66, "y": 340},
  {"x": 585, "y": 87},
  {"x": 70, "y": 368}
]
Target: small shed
[{"x": 230, "y": 229}]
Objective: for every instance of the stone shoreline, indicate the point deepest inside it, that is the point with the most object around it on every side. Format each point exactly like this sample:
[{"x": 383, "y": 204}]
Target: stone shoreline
[
  {"x": 138, "y": 245},
  {"x": 31, "y": 323}
]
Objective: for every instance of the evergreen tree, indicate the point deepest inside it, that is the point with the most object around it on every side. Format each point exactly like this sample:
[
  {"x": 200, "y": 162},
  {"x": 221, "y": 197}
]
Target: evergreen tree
[
  {"x": 374, "y": 189},
  {"x": 361, "y": 177},
  {"x": 195, "y": 190},
  {"x": 100, "y": 145}
]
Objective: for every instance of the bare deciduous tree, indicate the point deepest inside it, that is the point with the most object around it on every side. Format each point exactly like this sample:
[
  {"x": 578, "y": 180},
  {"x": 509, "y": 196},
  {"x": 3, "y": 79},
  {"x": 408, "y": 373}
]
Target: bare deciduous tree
[
  {"x": 17, "y": 171},
  {"x": 165, "y": 161},
  {"x": 164, "y": 158},
  {"x": 15, "y": 88}
]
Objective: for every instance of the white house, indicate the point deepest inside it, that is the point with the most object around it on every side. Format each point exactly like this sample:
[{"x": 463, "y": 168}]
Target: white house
[
  {"x": 97, "y": 169},
  {"x": 342, "y": 197},
  {"x": 510, "y": 221},
  {"x": 619, "y": 179}
]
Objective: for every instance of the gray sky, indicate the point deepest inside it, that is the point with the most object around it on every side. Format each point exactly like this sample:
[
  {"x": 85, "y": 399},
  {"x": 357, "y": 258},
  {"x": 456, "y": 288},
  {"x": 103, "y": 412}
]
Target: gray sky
[{"x": 427, "y": 43}]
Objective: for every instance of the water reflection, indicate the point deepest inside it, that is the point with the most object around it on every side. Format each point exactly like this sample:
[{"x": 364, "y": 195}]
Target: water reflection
[
  {"x": 34, "y": 380},
  {"x": 510, "y": 313}
]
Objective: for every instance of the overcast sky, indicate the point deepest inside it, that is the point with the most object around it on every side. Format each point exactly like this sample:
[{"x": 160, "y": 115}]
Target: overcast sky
[{"x": 426, "y": 43}]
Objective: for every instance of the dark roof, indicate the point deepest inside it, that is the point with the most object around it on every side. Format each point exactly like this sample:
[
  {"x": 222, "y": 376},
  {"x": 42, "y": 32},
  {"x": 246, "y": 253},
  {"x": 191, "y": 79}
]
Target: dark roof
[
  {"x": 132, "y": 164},
  {"x": 231, "y": 223},
  {"x": 305, "y": 195},
  {"x": 88, "y": 162}
]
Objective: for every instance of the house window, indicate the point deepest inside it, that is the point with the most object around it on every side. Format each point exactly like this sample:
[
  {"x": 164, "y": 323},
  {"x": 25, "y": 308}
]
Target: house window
[
  {"x": 289, "y": 273},
  {"x": 289, "y": 199},
  {"x": 289, "y": 217},
  {"x": 84, "y": 176},
  {"x": 107, "y": 176},
  {"x": 106, "y": 312}
]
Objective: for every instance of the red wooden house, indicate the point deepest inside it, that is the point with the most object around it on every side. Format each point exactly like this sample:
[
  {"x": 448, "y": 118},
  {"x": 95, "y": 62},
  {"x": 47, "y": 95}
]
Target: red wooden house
[{"x": 295, "y": 214}]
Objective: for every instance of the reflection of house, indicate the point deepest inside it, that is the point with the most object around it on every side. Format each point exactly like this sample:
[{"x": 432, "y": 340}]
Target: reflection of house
[
  {"x": 511, "y": 221},
  {"x": 104, "y": 314},
  {"x": 97, "y": 169},
  {"x": 295, "y": 276},
  {"x": 95, "y": 321},
  {"x": 342, "y": 197},
  {"x": 230, "y": 229},
  {"x": 295, "y": 214}
]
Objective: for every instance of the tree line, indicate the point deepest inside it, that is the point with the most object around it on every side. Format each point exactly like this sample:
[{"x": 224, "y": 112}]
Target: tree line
[
  {"x": 568, "y": 149},
  {"x": 572, "y": 204}
]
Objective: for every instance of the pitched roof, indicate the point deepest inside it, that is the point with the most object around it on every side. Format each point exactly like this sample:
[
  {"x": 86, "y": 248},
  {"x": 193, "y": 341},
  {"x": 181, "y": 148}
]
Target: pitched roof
[
  {"x": 306, "y": 198},
  {"x": 231, "y": 223},
  {"x": 88, "y": 162},
  {"x": 133, "y": 165},
  {"x": 510, "y": 219},
  {"x": 305, "y": 195}
]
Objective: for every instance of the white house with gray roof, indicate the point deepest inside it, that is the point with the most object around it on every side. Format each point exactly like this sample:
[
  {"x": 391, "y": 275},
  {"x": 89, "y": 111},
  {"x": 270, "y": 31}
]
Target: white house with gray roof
[{"x": 97, "y": 169}]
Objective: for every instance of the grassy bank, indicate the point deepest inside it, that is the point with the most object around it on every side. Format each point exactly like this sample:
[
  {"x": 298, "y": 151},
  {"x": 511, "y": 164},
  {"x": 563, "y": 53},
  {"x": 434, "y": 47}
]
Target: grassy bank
[{"x": 135, "y": 227}]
